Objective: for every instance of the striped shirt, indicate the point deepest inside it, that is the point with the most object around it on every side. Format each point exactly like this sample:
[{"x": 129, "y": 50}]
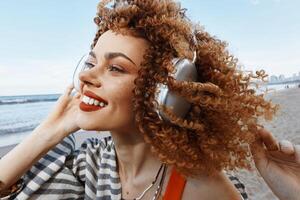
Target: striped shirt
[{"x": 89, "y": 172}]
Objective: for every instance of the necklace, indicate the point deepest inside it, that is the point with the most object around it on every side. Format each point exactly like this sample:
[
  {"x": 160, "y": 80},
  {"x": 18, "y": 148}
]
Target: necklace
[{"x": 158, "y": 190}]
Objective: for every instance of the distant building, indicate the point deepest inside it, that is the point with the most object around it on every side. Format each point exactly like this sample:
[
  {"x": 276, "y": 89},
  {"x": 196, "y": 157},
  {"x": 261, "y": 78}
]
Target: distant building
[
  {"x": 273, "y": 79},
  {"x": 281, "y": 77},
  {"x": 294, "y": 76}
]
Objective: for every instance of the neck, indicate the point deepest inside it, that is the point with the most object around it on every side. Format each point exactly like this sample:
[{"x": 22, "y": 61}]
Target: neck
[{"x": 134, "y": 155}]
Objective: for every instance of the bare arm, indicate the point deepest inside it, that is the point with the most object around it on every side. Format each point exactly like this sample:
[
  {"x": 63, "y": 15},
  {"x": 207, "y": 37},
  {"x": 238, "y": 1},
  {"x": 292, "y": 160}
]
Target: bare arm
[
  {"x": 59, "y": 124},
  {"x": 20, "y": 159}
]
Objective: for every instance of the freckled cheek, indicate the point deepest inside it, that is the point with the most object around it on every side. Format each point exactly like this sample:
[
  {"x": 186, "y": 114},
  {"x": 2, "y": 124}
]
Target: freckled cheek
[
  {"x": 127, "y": 96},
  {"x": 120, "y": 92},
  {"x": 123, "y": 96}
]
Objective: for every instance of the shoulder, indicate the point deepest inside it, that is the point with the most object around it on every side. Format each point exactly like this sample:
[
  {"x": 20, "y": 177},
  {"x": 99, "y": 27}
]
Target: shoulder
[
  {"x": 93, "y": 155},
  {"x": 96, "y": 147},
  {"x": 210, "y": 187},
  {"x": 67, "y": 146},
  {"x": 105, "y": 143},
  {"x": 91, "y": 149}
]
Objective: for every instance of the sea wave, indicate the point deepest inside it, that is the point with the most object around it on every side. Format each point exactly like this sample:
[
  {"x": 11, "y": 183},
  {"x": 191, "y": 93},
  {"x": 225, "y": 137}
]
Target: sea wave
[
  {"x": 27, "y": 99},
  {"x": 29, "y": 127},
  {"x": 19, "y": 101}
]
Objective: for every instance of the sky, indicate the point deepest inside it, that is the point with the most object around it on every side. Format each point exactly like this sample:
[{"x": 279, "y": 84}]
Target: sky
[{"x": 42, "y": 41}]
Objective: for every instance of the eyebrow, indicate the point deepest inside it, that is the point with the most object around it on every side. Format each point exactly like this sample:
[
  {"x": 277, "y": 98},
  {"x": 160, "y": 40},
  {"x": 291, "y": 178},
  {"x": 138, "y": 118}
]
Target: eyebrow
[{"x": 111, "y": 55}]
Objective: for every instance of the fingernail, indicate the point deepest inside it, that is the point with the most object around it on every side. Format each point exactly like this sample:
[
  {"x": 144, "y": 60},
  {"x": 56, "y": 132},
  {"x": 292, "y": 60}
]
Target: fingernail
[
  {"x": 285, "y": 142},
  {"x": 260, "y": 127},
  {"x": 297, "y": 153},
  {"x": 286, "y": 146}
]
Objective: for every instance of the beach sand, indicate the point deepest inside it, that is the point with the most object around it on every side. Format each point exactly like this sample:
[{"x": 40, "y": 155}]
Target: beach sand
[{"x": 284, "y": 126}]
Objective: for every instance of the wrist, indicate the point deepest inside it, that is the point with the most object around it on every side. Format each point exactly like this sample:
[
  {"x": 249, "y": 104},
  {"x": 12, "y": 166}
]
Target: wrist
[{"x": 48, "y": 133}]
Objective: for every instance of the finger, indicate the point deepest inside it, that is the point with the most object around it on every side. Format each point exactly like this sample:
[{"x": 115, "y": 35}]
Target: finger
[
  {"x": 69, "y": 89},
  {"x": 73, "y": 93},
  {"x": 77, "y": 95},
  {"x": 286, "y": 147},
  {"x": 269, "y": 140},
  {"x": 258, "y": 152},
  {"x": 62, "y": 99},
  {"x": 297, "y": 153},
  {"x": 76, "y": 99}
]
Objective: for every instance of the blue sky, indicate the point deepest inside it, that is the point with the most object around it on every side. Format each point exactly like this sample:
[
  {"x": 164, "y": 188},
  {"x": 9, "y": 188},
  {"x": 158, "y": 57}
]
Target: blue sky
[{"x": 41, "y": 41}]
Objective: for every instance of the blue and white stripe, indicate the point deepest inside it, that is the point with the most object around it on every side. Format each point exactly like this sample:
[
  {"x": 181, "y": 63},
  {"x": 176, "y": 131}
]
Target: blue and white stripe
[{"x": 89, "y": 172}]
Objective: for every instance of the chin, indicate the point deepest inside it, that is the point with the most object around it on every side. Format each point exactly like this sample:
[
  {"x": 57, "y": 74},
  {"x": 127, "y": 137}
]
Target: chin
[{"x": 86, "y": 124}]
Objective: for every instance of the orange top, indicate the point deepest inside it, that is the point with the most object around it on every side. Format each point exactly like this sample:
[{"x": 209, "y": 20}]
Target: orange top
[{"x": 175, "y": 186}]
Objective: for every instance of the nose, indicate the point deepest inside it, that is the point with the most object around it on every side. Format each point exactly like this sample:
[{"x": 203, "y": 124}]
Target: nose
[{"x": 89, "y": 77}]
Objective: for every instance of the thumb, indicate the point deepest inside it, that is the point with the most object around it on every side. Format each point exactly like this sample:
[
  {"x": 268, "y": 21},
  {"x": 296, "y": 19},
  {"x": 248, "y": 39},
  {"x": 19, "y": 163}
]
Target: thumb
[{"x": 259, "y": 153}]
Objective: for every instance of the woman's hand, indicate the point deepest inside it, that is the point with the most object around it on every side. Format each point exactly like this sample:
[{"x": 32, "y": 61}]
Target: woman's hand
[
  {"x": 278, "y": 164},
  {"x": 62, "y": 117}
]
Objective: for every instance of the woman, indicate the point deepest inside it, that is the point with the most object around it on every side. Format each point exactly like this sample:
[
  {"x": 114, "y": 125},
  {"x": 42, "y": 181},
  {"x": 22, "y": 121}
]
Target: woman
[{"x": 148, "y": 157}]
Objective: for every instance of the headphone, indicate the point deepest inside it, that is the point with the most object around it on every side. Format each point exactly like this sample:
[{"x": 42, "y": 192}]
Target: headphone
[{"x": 185, "y": 71}]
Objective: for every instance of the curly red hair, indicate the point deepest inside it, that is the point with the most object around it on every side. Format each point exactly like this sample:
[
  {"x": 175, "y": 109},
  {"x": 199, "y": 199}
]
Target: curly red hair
[{"x": 225, "y": 110}]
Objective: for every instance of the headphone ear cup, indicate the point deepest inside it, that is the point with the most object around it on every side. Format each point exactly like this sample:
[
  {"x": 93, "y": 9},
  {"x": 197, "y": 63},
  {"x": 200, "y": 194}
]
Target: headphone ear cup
[{"x": 185, "y": 71}]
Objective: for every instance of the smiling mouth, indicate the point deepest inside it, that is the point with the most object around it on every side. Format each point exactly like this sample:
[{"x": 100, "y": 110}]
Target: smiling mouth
[
  {"x": 89, "y": 108},
  {"x": 91, "y": 102},
  {"x": 94, "y": 96}
]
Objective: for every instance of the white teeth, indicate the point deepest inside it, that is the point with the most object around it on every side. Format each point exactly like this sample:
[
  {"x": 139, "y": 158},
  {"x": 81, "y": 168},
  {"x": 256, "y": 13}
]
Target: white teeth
[
  {"x": 91, "y": 101},
  {"x": 85, "y": 99},
  {"x": 96, "y": 102}
]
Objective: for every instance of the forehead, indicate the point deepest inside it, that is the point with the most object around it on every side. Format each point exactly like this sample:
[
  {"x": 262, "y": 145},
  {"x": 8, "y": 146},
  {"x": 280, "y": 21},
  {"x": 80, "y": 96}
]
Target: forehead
[{"x": 132, "y": 47}]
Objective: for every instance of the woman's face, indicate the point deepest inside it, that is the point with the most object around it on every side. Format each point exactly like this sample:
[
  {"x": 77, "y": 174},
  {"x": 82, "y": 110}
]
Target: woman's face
[{"x": 113, "y": 65}]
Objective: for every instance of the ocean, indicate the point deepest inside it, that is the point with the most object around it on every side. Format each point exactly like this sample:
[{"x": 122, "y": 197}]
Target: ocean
[{"x": 19, "y": 115}]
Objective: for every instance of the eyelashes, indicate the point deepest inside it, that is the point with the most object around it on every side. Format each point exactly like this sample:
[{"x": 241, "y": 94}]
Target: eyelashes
[
  {"x": 88, "y": 65},
  {"x": 114, "y": 67},
  {"x": 110, "y": 67}
]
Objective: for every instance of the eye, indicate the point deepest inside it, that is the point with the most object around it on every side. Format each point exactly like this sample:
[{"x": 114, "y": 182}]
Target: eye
[
  {"x": 114, "y": 68},
  {"x": 88, "y": 65}
]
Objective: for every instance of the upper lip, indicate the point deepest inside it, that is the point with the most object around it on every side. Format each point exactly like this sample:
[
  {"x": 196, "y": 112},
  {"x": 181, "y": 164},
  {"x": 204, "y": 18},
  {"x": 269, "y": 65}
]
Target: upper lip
[{"x": 94, "y": 96}]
